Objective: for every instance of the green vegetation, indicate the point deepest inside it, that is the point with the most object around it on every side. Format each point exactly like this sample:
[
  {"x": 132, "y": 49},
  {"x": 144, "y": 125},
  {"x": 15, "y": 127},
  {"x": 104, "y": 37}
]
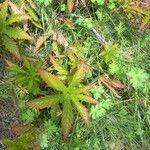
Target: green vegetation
[{"x": 81, "y": 53}]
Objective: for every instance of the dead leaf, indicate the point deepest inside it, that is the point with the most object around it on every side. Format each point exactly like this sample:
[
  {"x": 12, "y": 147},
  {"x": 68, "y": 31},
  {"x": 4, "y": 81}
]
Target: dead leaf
[
  {"x": 36, "y": 147},
  {"x": 112, "y": 84},
  {"x": 19, "y": 128},
  {"x": 41, "y": 40},
  {"x": 15, "y": 8},
  {"x": 60, "y": 39},
  {"x": 118, "y": 84},
  {"x": 70, "y": 4},
  {"x": 83, "y": 2}
]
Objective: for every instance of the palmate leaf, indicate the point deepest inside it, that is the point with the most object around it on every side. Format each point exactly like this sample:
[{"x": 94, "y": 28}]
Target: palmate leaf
[
  {"x": 67, "y": 118},
  {"x": 11, "y": 46},
  {"x": 83, "y": 111},
  {"x": 16, "y": 33},
  {"x": 44, "y": 102},
  {"x": 52, "y": 81},
  {"x": 17, "y": 18}
]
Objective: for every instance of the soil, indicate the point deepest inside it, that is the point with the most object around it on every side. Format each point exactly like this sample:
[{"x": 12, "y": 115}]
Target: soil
[{"x": 8, "y": 118}]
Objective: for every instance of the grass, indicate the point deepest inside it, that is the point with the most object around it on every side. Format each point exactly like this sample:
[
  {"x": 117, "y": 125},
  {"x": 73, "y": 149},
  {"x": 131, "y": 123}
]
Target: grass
[{"x": 126, "y": 124}]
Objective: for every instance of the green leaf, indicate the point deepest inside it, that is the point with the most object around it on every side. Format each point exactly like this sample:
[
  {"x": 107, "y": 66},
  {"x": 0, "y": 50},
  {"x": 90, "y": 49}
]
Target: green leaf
[
  {"x": 86, "y": 98},
  {"x": 77, "y": 77},
  {"x": 11, "y": 46},
  {"x": 43, "y": 102},
  {"x": 51, "y": 80},
  {"x": 35, "y": 20},
  {"x": 17, "y": 18},
  {"x": 16, "y": 33},
  {"x": 67, "y": 118},
  {"x": 61, "y": 70},
  {"x": 3, "y": 12}
]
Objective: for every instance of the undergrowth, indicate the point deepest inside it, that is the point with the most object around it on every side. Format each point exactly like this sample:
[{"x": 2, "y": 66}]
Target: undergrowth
[{"x": 79, "y": 50}]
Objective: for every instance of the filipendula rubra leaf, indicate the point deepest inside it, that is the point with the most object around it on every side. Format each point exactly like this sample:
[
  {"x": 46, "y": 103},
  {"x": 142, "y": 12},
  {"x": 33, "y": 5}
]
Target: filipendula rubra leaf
[
  {"x": 78, "y": 76},
  {"x": 51, "y": 80},
  {"x": 67, "y": 118},
  {"x": 83, "y": 111},
  {"x": 11, "y": 46},
  {"x": 16, "y": 33},
  {"x": 44, "y": 102},
  {"x": 17, "y": 18},
  {"x": 61, "y": 70},
  {"x": 86, "y": 98}
]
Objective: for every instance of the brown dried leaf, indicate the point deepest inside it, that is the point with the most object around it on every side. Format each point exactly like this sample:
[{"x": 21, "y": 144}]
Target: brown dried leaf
[
  {"x": 61, "y": 40},
  {"x": 41, "y": 40},
  {"x": 117, "y": 84},
  {"x": 15, "y": 8},
  {"x": 70, "y": 4},
  {"x": 112, "y": 84},
  {"x": 83, "y": 2},
  {"x": 111, "y": 88},
  {"x": 19, "y": 128}
]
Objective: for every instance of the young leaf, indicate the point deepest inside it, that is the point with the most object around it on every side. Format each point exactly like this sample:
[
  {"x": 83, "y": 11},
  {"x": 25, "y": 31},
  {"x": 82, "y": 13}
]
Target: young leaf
[
  {"x": 43, "y": 102},
  {"x": 51, "y": 80}
]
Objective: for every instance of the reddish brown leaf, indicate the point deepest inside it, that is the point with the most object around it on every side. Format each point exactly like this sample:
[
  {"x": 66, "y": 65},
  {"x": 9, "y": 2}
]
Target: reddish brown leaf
[
  {"x": 111, "y": 84},
  {"x": 111, "y": 88},
  {"x": 118, "y": 84}
]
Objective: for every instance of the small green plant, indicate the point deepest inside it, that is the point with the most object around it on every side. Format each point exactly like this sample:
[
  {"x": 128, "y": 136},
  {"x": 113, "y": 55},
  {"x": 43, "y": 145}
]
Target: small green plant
[
  {"x": 49, "y": 129},
  {"x": 110, "y": 52},
  {"x": 97, "y": 91},
  {"x": 44, "y": 2},
  {"x": 27, "y": 115},
  {"x": 25, "y": 75},
  {"x": 138, "y": 78},
  {"x": 100, "y": 109},
  {"x": 9, "y": 31},
  {"x": 111, "y": 3},
  {"x": 70, "y": 95}
]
